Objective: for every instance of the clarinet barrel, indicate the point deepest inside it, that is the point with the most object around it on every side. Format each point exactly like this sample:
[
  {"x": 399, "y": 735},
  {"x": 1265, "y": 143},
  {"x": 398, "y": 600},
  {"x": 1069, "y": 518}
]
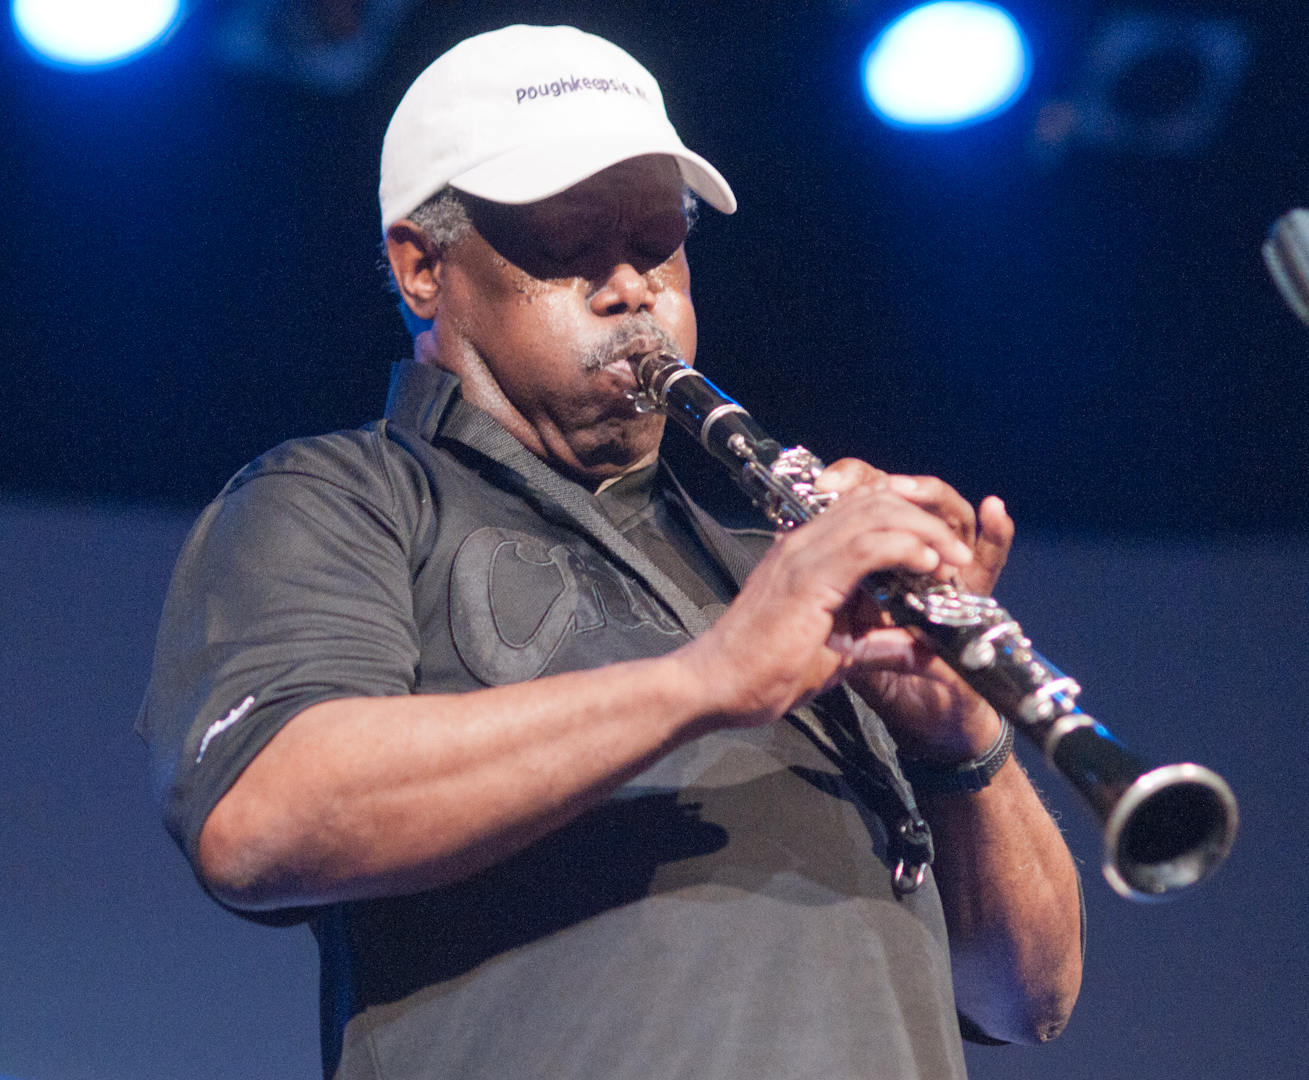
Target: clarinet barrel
[{"x": 1165, "y": 828}]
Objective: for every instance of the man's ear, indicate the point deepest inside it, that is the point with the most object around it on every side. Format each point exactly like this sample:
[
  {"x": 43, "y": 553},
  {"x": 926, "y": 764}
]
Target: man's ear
[{"x": 416, "y": 264}]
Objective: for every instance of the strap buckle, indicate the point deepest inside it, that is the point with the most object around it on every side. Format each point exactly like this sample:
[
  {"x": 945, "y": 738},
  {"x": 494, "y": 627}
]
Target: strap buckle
[{"x": 915, "y": 840}]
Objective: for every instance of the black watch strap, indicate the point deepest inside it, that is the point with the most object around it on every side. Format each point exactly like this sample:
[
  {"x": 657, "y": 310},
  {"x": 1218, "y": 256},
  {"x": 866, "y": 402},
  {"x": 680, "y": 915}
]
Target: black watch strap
[{"x": 927, "y": 778}]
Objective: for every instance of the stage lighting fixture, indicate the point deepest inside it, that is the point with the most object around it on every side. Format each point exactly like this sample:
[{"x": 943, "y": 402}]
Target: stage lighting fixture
[
  {"x": 333, "y": 46},
  {"x": 946, "y": 64},
  {"x": 1151, "y": 85},
  {"x": 93, "y": 33}
]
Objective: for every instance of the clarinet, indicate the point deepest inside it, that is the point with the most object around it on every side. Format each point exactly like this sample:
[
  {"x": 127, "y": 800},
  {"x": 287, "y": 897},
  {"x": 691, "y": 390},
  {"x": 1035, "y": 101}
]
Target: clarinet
[{"x": 1165, "y": 828}]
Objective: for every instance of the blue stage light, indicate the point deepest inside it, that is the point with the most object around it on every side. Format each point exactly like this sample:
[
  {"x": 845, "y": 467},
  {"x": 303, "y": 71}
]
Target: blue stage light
[
  {"x": 93, "y": 33},
  {"x": 946, "y": 64}
]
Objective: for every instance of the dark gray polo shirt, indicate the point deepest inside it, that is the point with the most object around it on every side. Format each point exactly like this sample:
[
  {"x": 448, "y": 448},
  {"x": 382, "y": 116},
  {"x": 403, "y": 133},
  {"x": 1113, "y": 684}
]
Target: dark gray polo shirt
[{"x": 727, "y": 914}]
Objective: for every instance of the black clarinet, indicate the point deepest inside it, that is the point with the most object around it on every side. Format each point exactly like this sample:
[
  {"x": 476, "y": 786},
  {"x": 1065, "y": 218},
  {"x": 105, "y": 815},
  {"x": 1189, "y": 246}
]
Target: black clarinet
[{"x": 1164, "y": 828}]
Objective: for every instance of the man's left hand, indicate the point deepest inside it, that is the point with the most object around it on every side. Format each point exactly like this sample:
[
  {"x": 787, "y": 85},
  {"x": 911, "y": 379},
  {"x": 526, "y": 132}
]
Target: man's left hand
[
  {"x": 1006, "y": 880},
  {"x": 929, "y": 709}
]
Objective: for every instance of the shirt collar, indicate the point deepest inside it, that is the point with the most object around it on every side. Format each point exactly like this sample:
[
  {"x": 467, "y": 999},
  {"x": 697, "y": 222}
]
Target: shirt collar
[{"x": 419, "y": 396}]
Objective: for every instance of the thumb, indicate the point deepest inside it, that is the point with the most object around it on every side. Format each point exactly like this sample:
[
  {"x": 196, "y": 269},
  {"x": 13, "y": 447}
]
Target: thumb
[{"x": 995, "y": 535}]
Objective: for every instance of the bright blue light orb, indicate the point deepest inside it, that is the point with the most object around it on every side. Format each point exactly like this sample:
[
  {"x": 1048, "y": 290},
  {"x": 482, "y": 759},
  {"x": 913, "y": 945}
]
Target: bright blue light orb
[
  {"x": 946, "y": 64},
  {"x": 93, "y": 33}
]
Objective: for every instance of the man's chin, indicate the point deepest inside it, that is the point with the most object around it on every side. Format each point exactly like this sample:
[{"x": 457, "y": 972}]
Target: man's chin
[{"x": 629, "y": 450}]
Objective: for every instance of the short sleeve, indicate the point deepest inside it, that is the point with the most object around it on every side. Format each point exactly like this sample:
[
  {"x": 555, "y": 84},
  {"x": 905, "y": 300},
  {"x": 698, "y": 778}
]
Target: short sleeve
[{"x": 294, "y": 587}]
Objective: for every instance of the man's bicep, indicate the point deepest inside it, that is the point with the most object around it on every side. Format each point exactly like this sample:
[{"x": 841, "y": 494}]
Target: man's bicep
[{"x": 291, "y": 590}]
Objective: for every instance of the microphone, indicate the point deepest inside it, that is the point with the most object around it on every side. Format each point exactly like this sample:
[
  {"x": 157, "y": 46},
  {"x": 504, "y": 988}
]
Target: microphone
[{"x": 1286, "y": 253}]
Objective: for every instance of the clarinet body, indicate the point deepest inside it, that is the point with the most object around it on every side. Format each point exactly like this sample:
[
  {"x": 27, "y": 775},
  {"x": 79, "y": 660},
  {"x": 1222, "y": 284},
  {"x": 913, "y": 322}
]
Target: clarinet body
[{"x": 1165, "y": 828}]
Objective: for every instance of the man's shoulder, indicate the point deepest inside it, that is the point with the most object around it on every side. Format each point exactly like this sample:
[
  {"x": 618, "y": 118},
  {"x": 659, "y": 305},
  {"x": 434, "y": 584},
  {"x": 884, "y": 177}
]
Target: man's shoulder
[
  {"x": 333, "y": 456},
  {"x": 363, "y": 460},
  {"x": 358, "y": 475}
]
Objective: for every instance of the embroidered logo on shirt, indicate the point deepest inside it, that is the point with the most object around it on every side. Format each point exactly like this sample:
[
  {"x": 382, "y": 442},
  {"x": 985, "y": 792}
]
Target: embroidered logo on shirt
[
  {"x": 219, "y": 726},
  {"x": 514, "y": 600}
]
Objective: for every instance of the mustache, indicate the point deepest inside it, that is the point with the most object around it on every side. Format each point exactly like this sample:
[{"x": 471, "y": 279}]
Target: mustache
[{"x": 638, "y": 334}]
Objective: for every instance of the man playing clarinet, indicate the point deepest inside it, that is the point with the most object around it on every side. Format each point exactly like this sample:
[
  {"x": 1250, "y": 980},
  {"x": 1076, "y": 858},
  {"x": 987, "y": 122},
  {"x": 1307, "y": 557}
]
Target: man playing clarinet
[{"x": 567, "y": 779}]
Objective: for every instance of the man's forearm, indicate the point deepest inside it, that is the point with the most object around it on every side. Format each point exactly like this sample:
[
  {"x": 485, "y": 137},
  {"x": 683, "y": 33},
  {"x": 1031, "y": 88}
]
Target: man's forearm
[
  {"x": 1009, "y": 892},
  {"x": 378, "y": 796}
]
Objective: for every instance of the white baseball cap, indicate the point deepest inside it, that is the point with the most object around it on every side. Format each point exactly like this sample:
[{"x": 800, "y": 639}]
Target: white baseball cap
[{"x": 523, "y": 113}]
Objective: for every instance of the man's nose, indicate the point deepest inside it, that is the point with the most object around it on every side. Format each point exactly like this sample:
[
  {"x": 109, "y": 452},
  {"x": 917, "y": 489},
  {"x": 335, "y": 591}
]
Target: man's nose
[{"x": 624, "y": 292}]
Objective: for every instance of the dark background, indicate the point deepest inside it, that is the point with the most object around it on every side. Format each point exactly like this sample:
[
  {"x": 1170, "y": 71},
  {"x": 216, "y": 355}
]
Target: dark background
[
  {"x": 190, "y": 266},
  {"x": 190, "y": 275}
]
